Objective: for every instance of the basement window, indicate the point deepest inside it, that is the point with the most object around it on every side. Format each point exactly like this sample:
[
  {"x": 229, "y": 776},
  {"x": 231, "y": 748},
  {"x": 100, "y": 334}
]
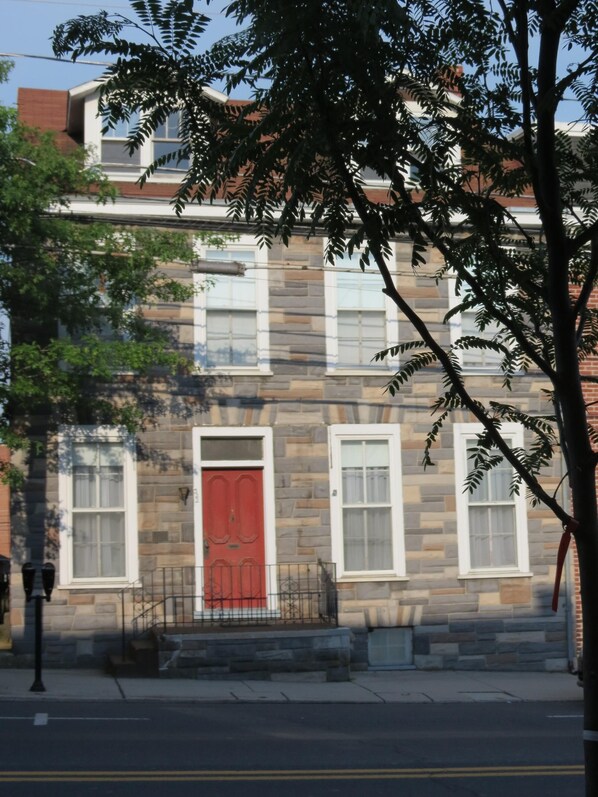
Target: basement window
[{"x": 390, "y": 648}]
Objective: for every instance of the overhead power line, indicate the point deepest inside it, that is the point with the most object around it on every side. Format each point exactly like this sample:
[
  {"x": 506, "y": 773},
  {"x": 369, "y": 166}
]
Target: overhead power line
[{"x": 53, "y": 58}]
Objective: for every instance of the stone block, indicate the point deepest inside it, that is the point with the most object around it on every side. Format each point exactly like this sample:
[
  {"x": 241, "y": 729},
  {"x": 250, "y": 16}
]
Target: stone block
[
  {"x": 427, "y": 662},
  {"x": 274, "y": 655},
  {"x": 92, "y": 622},
  {"x": 515, "y": 592},
  {"x": 557, "y": 665}
]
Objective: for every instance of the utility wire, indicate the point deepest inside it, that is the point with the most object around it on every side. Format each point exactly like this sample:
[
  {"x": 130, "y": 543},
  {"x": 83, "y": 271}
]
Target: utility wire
[{"x": 53, "y": 58}]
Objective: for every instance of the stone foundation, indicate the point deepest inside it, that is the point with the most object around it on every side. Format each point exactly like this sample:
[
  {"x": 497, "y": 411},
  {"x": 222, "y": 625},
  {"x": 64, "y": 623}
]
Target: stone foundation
[{"x": 263, "y": 655}]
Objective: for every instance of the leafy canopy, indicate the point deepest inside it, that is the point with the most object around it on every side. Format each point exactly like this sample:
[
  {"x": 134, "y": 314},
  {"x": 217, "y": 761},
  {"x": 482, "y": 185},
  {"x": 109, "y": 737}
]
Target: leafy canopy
[
  {"x": 73, "y": 294},
  {"x": 453, "y": 105}
]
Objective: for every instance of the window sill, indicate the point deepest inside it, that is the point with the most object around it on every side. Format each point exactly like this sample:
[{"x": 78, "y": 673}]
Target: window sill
[
  {"x": 380, "y": 372},
  {"x": 200, "y": 371},
  {"x": 132, "y": 175},
  {"x": 472, "y": 370},
  {"x": 495, "y": 574},
  {"x": 479, "y": 371},
  {"x": 358, "y": 579},
  {"x": 97, "y": 585}
]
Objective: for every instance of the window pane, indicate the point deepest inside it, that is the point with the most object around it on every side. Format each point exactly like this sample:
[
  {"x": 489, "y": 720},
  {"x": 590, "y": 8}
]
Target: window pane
[
  {"x": 362, "y": 290},
  {"x": 479, "y": 533},
  {"x": 353, "y": 488},
  {"x": 111, "y": 487},
  {"x": 85, "y": 553},
  {"x": 492, "y": 536},
  {"x": 499, "y": 481},
  {"x": 390, "y": 647},
  {"x": 165, "y": 148},
  {"x": 110, "y": 454},
  {"x": 378, "y": 485},
  {"x": 114, "y": 152},
  {"x": 368, "y": 174},
  {"x": 84, "y": 454},
  {"x": 171, "y": 127},
  {"x": 232, "y": 293},
  {"x": 353, "y": 538},
  {"x": 84, "y": 489},
  {"x": 377, "y": 453},
  {"x": 231, "y": 338},
  {"x": 502, "y": 520},
  {"x": 242, "y": 255},
  {"x": 112, "y": 544},
  {"x": 479, "y": 358},
  {"x": 379, "y": 547},
  {"x": 122, "y": 127},
  {"x": 361, "y": 335},
  {"x": 352, "y": 453},
  {"x": 231, "y": 448}
]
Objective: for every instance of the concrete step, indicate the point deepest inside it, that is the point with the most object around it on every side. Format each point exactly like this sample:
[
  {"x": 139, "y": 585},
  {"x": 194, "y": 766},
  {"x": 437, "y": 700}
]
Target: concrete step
[{"x": 140, "y": 661}]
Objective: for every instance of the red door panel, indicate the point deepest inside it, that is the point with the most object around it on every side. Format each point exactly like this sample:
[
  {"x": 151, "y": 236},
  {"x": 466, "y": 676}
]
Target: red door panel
[{"x": 233, "y": 523}]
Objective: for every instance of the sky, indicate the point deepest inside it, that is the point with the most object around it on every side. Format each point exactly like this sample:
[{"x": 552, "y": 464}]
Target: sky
[{"x": 26, "y": 28}]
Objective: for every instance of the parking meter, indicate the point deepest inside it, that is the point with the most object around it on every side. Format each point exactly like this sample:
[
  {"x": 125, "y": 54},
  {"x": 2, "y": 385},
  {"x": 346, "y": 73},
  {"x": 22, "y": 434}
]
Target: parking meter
[
  {"x": 48, "y": 576},
  {"x": 4, "y": 586},
  {"x": 28, "y": 573}
]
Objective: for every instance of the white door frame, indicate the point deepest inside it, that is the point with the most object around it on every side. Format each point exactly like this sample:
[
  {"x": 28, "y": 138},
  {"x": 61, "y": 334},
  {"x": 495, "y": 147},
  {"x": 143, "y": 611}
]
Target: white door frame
[{"x": 266, "y": 464}]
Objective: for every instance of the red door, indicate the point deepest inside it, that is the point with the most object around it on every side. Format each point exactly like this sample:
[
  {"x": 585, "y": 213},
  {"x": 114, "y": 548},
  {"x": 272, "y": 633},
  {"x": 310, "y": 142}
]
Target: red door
[{"x": 233, "y": 539}]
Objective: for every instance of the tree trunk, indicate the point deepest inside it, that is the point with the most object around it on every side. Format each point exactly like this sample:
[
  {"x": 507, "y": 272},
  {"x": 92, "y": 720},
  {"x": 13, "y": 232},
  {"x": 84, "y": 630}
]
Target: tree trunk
[{"x": 585, "y": 510}]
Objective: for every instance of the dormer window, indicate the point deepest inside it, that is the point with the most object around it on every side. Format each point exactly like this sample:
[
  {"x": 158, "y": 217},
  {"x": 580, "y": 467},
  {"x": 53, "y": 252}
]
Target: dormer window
[
  {"x": 115, "y": 154},
  {"x": 167, "y": 139},
  {"x": 109, "y": 144}
]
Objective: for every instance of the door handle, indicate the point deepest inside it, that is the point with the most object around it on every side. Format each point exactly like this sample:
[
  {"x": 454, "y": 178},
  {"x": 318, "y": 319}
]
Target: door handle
[{"x": 206, "y": 546}]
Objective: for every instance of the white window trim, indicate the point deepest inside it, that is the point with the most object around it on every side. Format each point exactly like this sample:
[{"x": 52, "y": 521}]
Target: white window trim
[
  {"x": 390, "y": 364},
  {"x": 377, "y": 431},
  {"x": 514, "y": 433},
  {"x": 202, "y": 285},
  {"x": 104, "y": 434}
]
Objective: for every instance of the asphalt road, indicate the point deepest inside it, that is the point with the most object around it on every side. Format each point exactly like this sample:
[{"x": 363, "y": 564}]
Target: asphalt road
[{"x": 311, "y": 750}]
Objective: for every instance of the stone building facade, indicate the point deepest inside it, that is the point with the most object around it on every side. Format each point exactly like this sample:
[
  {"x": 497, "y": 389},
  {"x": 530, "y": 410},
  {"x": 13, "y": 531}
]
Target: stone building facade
[{"x": 291, "y": 392}]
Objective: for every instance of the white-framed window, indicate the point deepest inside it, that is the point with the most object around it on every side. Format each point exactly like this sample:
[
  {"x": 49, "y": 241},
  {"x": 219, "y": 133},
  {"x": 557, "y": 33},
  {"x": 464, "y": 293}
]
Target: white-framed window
[
  {"x": 366, "y": 501},
  {"x": 463, "y": 324},
  {"x": 114, "y": 153},
  {"x": 98, "y": 506},
  {"x": 110, "y": 146},
  {"x": 491, "y": 520},
  {"x": 231, "y": 312},
  {"x": 167, "y": 139},
  {"x": 360, "y": 319}
]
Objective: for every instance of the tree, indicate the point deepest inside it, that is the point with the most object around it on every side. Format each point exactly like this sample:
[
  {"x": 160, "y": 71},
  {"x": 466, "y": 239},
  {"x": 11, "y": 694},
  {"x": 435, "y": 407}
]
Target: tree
[
  {"x": 74, "y": 294},
  {"x": 332, "y": 85}
]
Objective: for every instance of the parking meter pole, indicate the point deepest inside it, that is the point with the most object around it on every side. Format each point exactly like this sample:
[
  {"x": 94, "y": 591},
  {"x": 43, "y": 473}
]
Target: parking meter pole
[
  {"x": 48, "y": 573},
  {"x": 38, "y": 685}
]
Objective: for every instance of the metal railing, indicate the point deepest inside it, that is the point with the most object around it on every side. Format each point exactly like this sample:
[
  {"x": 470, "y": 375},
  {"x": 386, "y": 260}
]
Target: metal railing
[{"x": 183, "y": 598}]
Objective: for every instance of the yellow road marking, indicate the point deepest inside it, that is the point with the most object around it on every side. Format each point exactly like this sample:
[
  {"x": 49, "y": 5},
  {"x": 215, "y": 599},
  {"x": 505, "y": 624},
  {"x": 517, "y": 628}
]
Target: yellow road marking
[{"x": 549, "y": 770}]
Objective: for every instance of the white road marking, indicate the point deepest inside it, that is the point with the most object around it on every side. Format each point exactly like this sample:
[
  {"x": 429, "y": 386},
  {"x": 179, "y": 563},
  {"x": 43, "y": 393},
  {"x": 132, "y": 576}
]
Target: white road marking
[
  {"x": 42, "y": 719},
  {"x": 564, "y": 716}
]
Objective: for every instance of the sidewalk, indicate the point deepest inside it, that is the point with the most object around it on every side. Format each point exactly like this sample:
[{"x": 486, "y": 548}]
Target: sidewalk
[{"x": 405, "y": 686}]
